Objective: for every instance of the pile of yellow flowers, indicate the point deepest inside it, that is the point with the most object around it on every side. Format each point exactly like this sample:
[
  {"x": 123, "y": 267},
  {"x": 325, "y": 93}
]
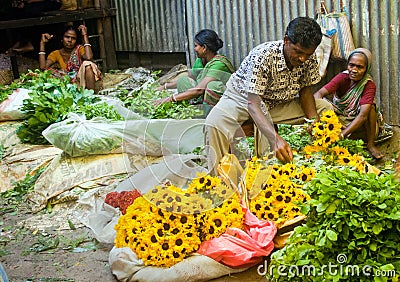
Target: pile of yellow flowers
[
  {"x": 274, "y": 191},
  {"x": 168, "y": 223},
  {"x": 158, "y": 237},
  {"x": 327, "y": 130},
  {"x": 326, "y": 134}
]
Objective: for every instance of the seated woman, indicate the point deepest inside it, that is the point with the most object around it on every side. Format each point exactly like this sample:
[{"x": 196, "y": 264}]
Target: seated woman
[
  {"x": 206, "y": 81},
  {"x": 73, "y": 59},
  {"x": 353, "y": 99}
]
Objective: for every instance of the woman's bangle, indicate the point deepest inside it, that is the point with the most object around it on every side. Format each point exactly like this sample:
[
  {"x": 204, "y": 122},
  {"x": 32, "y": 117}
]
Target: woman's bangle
[
  {"x": 87, "y": 44},
  {"x": 341, "y": 136},
  {"x": 173, "y": 98},
  {"x": 42, "y": 53},
  {"x": 165, "y": 86},
  {"x": 84, "y": 34}
]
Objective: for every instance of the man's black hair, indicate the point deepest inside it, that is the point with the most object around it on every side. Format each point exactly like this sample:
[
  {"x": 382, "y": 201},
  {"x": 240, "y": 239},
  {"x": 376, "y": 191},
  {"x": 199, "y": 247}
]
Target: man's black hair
[{"x": 305, "y": 31}]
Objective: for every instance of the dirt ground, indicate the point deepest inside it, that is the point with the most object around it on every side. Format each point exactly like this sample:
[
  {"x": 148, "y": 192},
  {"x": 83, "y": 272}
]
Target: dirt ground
[{"x": 30, "y": 254}]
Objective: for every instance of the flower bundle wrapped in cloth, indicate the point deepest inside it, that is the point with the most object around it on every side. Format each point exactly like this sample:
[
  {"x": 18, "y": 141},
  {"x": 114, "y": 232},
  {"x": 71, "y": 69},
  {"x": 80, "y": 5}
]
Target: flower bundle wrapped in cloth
[{"x": 168, "y": 223}]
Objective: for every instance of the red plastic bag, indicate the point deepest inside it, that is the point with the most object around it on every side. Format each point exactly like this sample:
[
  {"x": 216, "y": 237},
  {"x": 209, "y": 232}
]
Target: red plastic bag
[{"x": 237, "y": 248}]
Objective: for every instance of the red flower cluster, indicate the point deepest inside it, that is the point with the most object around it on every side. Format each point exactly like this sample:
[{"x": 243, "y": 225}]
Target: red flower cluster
[{"x": 122, "y": 200}]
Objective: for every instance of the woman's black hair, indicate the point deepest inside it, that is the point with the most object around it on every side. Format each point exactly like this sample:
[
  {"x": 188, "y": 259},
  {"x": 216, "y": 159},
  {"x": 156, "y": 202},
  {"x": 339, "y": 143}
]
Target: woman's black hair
[
  {"x": 73, "y": 28},
  {"x": 304, "y": 30},
  {"x": 209, "y": 38}
]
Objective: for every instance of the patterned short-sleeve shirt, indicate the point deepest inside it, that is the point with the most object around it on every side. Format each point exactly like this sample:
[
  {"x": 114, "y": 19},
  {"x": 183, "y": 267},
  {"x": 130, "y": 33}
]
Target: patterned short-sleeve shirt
[{"x": 264, "y": 72}]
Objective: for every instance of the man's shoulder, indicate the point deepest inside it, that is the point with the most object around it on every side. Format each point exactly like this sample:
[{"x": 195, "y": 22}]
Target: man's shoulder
[
  {"x": 270, "y": 46},
  {"x": 267, "y": 51}
]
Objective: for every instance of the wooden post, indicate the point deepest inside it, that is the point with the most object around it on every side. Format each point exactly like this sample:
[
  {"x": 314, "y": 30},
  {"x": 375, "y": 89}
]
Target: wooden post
[{"x": 106, "y": 40}]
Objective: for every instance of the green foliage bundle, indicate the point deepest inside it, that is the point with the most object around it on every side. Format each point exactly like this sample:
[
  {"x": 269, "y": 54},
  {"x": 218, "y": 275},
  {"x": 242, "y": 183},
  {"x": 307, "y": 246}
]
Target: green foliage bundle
[
  {"x": 51, "y": 99},
  {"x": 141, "y": 100},
  {"x": 296, "y": 136},
  {"x": 353, "y": 224},
  {"x": 5, "y": 91}
]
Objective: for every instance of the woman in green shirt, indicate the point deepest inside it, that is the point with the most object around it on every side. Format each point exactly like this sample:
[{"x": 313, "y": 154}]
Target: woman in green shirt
[{"x": 205, "y": 83}]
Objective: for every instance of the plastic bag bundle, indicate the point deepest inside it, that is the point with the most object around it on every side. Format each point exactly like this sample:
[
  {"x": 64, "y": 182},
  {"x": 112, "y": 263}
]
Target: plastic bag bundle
[
  {"x": 342, "y": 40},
  {"x": 10, "y": 108},
  {"x": 80, "y": 137},
  {"x": 77, "y": 136}
]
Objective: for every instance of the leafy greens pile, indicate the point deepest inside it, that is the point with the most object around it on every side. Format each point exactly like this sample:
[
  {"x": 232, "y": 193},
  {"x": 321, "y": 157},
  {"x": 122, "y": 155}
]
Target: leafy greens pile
[
  {"x": 6, "y": 90},
  {"x": 298, "y": 137},
  {"x": 354, "y": 217},
  {"x": 141, "y": 100},
  {"x": 51, "y": 99}
]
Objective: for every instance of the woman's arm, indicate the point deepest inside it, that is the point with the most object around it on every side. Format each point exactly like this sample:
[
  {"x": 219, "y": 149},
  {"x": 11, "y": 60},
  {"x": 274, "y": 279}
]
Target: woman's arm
[
  {"x": 188, "y": 94},
  {"x": 43, "y": 62},
  {"x": 278, "y": 145},
  {"x": 196, "y": 91},
  {"x": 88, "y": 48},
  {"x": 358, "y": 122},
  {"x": 168, "y": 85},
  {"x": 321, "y": 93}
]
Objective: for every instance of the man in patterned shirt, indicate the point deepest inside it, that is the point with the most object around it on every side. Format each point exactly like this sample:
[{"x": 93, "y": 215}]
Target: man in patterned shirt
[{"x": 272, "y": 85}]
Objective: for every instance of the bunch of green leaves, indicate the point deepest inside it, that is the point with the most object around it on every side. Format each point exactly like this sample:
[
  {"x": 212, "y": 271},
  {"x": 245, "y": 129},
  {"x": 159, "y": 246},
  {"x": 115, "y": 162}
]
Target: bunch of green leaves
[
  {"x": 51, "y": 99},
  {"x": 26, "y": 80},
  {"x": 296, "y": 136},
  {"x": 6, "y": 90},
  {"x": 99, "y": 110},
  {"x": 121, "y": 93},
  {"x": 140, "y": 101},
  {"x": 178, "y": 110},
  {"x": 352, "y": 215},
  {"x": 354, "y": 146},
  {"x": 11, "y": 198}
]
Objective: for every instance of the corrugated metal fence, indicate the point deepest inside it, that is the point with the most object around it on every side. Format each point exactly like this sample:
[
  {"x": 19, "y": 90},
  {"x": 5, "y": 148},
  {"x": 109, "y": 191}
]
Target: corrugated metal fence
[
  {"x": 169, "y": 26},
  {"x": 150, "y": 26}
]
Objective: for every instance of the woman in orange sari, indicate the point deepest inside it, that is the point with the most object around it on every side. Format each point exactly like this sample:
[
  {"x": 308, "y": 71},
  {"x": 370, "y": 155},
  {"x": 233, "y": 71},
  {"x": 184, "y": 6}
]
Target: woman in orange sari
[{"x": 73, "y": 59}]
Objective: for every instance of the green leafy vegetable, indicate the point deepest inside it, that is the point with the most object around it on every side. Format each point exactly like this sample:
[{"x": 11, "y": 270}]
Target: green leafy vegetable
[
  {"x": 296, "y": 136},
  {"x": 141, "y": 100},
  {"x": 99, "y": 110},
  {"x": 354, "y": 218},
  {"x": 51, "y": 99}
]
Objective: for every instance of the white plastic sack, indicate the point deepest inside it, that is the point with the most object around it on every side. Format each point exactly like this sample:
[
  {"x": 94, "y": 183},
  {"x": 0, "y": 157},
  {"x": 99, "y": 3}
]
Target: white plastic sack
[
  {"x": 118, "y": 105},
  {"x": 77, "y": 136},
  {"x": 126, "y": 266},
  {"x": 160, "y": 137},
  {"x": 10, "y": 108},
  {"x": 80, "y": 137},
  {"x": 323, "y": 52}
]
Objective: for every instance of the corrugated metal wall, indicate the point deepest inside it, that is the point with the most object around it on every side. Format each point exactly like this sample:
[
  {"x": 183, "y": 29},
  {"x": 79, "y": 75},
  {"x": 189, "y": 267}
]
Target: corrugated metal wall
[
  {"x": 243, "y": 24},
  {"x": 150, "y": 26},
  {"x": 169, "y": 26}
]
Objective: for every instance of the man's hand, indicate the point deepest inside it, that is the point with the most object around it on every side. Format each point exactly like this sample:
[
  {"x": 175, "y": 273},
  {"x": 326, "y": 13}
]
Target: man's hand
[
  {"x": 282, "y": 150},
  {"x": 279, "y": 146}
]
